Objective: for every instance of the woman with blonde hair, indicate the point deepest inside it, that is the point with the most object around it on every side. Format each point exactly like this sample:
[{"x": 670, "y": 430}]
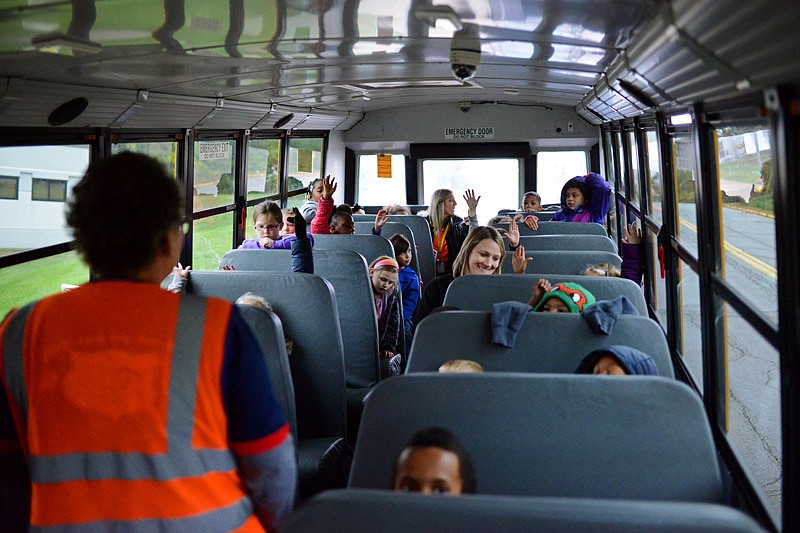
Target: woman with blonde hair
[
  {"x": 448, "y": 230},
  {"x": 483, "y": 253}
]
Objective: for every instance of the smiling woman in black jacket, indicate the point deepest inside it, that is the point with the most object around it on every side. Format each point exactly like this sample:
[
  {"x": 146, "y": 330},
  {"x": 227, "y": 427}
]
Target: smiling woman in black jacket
[{"x": 447, "y": 230}]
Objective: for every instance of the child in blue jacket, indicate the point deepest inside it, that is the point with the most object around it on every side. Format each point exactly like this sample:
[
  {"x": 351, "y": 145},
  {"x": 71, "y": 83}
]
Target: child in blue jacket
[{"x": 407, "y": 278}]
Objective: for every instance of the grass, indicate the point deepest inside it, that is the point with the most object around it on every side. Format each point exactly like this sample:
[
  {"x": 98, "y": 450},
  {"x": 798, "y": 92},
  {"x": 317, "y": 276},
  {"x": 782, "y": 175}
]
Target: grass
[
  {"x": 22, "y": 284},
  {"x": 31, "y": 281},
  {"x": 213, "y": 237},
  {"x": 744, "y": 170}
]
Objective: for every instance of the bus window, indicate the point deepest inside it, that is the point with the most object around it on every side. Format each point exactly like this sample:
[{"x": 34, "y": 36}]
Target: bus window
[
  {"x": 263, "y": 162},
  {"x": 38, "y": 182},
  {"x": 683, "y": 155},
  {"x": 691, "y": 325},
  {"x": 496, "y": 181},
  {"x": 621, "y": 186},
  {"x": 305, "y": 163},
  {"x": 211, "y": 238},
  {"x": 634, "y": 192},
  {"x": 554, "y": 169},
  {"x": 374, "y": 190},
  {"x": 213, "y": 173},
  {"x": 748, "y": 217},
  {"x": 166, "y": 152},
  {"x": 654, "y": 177},
  {"x": 30, "y": 281},
  {"x": 754, "y": 403}
]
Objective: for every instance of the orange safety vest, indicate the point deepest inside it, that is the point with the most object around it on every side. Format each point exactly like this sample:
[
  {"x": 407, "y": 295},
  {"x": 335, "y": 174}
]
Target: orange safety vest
[{"x": 116, "y": 395}]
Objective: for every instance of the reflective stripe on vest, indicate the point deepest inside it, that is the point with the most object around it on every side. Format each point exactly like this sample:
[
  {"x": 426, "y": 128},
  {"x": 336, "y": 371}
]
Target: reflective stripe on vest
[{"x": 188, "y": 488}]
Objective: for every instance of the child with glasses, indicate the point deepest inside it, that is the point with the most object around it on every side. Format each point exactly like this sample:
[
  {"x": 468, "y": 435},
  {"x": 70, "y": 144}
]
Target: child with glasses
[{"x": 268, "y": 221}]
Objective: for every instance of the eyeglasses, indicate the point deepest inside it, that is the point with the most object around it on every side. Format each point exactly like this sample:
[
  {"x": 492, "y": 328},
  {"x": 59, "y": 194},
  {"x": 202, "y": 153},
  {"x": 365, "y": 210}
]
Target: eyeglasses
[{"x": 268, "y": 227}]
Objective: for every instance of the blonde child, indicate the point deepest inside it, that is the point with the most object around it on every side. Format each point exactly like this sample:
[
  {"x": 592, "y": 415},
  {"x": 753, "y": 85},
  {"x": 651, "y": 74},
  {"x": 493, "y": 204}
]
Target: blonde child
[
  {"x": 460, "y": 366},
  {"x": 268, "y": 221},
  {"x": 383, "y": 275}
]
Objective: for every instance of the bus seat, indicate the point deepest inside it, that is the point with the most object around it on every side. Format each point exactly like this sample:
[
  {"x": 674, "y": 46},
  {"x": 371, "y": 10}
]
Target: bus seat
[
  {"x": 268, "y": 331},
  {"x": 546, "y": 343},
  {"x": 578, "y": 243},
  {"x": 370, "y": 246},
  {"x": 424, "y": 242},
  {"x": 422, "y": 234},
  {"x": 347, "y": 272},
  {"x": 307, "y": 307},
  {"x": 382, "y": 511},
  {"x": 573, "y": 436},
  {"x": 389, "y": 229},
  {"x": 543, "y": 216},
  {"x": 479, "y": 293},
  {"x": 560, "y": 228},
  {"x": 563, "y": 261}
]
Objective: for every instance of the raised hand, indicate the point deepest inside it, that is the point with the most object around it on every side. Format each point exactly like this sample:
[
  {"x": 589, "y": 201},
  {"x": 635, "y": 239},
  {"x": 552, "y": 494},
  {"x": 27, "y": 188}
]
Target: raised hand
[
  {"x": 300, "y": 227},
  {"x": 380, "y": 219},
  {"x": 519, "y": 262},
  {"x": 328, "y": 187},
  {"x": 539, "y": 289},
  {"x": 472, "y": 201},
  {"x": 633, "y": 235},
  {"x": 512, "y": 234},
  {"x": 181, "y": 271}
]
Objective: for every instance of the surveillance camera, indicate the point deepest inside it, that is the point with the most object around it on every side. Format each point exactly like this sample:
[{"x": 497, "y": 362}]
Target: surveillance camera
[
  {"x": 465, "y": 54},
  {"x": 464, "y": 106}
]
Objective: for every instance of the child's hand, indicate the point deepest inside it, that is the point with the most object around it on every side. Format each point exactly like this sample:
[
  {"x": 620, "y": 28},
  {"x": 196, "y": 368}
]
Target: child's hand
[
  {"x": 633, "y": 235},
  {"x": 228, "y": 267},
  {"x": 539, "y": 289},
  {"x": 512, "y": 234},
  {"x": 328, "y": 187},
  {"x": 472, "y": 202},
  {"x": 266, "y": 242},
  {"x": 519, "y": 262},
  {"x": 532, "y": 221},
  {"x": 180, "y": 271},
  {"x": 300, "y": 228},
  {"x": 380, "y": 219}
]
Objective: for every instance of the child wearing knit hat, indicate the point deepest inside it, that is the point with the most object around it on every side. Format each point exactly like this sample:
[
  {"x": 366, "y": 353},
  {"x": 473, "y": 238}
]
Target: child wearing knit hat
[{"x": 560, "y": 298}]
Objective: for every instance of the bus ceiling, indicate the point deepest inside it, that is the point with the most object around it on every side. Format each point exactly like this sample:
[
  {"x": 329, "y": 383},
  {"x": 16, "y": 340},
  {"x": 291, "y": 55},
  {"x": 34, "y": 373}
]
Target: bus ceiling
[{"x": 325, "y": 65}]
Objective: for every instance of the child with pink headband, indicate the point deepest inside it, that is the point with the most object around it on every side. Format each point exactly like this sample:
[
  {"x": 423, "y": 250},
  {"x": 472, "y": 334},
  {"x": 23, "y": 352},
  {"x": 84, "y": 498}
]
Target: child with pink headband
[{"x": 388, "y": 305}]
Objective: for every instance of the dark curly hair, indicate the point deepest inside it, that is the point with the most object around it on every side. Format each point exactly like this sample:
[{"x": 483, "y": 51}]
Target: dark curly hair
[{"x": 119, "y": 212}]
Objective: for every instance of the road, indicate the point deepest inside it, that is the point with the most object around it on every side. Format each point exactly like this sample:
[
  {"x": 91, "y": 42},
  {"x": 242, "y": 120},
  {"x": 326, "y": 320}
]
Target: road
[{"x": 753, "y": 365}]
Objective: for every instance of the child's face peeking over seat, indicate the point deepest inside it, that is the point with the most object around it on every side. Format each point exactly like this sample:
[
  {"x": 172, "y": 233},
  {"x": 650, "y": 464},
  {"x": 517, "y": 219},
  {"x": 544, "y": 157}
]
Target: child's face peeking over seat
[
  {"x": 429, "y": 470},
  {"x": 531, "y": 204},
  {"x": 608, "y": 365},
  {"x": 554, "y": 305}
]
